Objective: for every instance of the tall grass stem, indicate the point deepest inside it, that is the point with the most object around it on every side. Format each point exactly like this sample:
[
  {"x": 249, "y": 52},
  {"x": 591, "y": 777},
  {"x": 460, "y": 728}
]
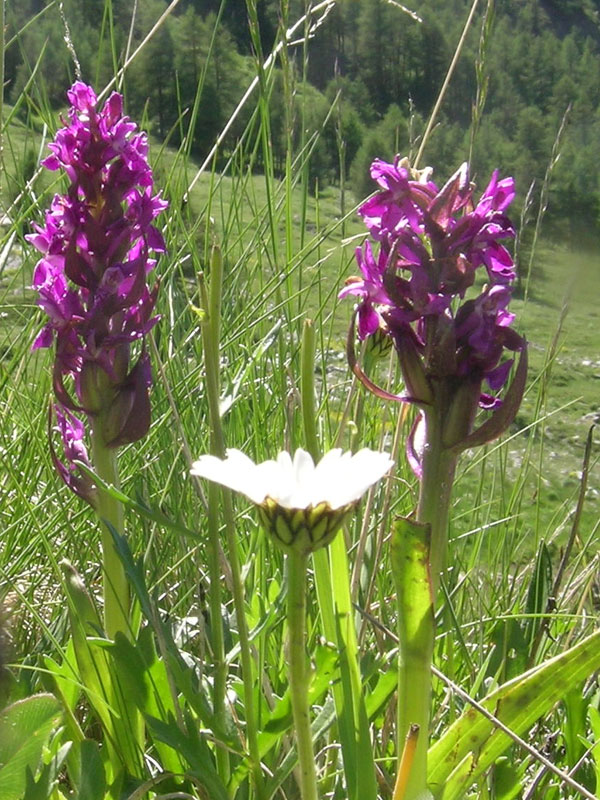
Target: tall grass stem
[{"x": 211, "y": 302}]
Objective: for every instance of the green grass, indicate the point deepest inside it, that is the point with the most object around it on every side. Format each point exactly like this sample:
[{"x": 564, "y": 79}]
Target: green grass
[{"x": 286, "y": 255}]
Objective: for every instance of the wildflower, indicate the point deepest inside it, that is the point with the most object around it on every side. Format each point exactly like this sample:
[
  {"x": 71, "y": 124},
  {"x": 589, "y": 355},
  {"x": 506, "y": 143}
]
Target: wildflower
[
  {"x": 302, "y": 505},
  {"x": 417, "y": 291},
  {"x": 97, "y": 243},
  {"x": 72, "y": 432}
]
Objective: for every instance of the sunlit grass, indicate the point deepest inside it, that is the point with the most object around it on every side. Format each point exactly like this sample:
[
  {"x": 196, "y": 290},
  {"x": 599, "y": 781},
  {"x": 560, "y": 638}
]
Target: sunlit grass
[{"x": 286, "y": 254}]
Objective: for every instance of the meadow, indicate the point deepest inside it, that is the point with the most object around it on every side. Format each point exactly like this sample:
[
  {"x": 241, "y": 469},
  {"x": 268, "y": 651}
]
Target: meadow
[{"x": 193, "y": 700}]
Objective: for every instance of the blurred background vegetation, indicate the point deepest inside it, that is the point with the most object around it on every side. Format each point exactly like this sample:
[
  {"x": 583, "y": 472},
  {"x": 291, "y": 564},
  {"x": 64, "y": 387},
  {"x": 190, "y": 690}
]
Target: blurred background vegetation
[{"x": 380, "y": 68}]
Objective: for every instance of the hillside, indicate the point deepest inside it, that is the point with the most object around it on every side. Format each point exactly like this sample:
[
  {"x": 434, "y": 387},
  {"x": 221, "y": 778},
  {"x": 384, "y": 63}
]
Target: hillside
[{"x": 367, "y": 80}]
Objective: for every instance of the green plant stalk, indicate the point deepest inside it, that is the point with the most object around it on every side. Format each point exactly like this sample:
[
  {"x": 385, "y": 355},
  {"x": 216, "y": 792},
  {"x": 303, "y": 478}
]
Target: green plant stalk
[
  {"x": 298, "y": 672},
  {"x": 435, "y": 494},
  {"x": 128, "y": 724},
  {"x": 416, "y": 630},
  {"x": 307, "y": 388},
  {"x": 211, "y": 301},
  {"x": 211, "y": 361},
  {"x": 414, "y": 704},
  {"x": 110, "y": 512}
]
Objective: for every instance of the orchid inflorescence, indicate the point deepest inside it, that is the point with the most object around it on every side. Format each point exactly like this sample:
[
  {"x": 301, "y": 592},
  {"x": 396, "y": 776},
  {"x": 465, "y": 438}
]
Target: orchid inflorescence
[
  {"x": 426, "y": 247},
  {"x": 96, "y": 248}
]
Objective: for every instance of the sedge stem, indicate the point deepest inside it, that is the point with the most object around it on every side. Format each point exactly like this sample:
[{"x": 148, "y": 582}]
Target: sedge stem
[{"x": 211, "y": 301}]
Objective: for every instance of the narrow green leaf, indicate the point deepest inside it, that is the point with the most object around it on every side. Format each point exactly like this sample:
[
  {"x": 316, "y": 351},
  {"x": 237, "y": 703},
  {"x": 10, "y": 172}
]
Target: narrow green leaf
[
  {"x": 354, "y": 702},
  {"x": 517, "y": 704},
  {"x": 459, "y": 778},
  {"x": 539, "y": 590},
  {"x": 193, "y": 748}
]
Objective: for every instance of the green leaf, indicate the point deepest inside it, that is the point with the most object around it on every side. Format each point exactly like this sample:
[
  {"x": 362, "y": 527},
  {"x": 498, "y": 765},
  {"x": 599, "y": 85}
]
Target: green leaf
[
  {"x": 576, "y": 706},
  {"x": 386, "y": 685},
  {"x": 411, "y": 570},
  {"x": 539, "y": 590},
  {"x": 25, "y": 727},
  {"x": 43, "y": 787},
  {"x": 594, "y": 718},
  {"x": 517, "y": 704},
  {"x": 353, "y": 709},
  {"x": 145, "y": 681},
  {"x": 410, "y": 564},
  {"x": 92, "y": 783},
  {"x": 508, "y": 779},
  {"x": 193, "y": 748}
]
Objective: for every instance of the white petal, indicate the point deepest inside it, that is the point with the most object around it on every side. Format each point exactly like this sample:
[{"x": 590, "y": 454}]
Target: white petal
[
  {"x": 356, "y": 475},
  {"x": 327, "y": 476},
  {"x": 338, "y": 479},
  {"x": 237, "y": 472},
  {"x": 304, "y": 470}
]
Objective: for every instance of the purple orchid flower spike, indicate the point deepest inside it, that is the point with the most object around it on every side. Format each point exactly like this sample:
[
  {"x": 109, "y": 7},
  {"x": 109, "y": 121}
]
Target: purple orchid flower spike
[
  {"x": 97, "y": 245},
  {"x": 456, "y": 350},
  {"x": 72, "y": 433},
  {"x": 418, "y": 272}
]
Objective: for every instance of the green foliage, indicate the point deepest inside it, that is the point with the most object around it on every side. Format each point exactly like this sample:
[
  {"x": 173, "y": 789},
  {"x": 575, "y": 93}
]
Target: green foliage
[
  {"x": 191, "y": 74},
  {"x": 286, "y": 252},
  {"x": 474, "y": 740},
  {"x": 25, "y": 726}
]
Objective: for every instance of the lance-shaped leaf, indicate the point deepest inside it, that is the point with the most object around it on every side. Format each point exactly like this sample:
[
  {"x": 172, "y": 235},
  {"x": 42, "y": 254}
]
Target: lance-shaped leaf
[
  {"x": 503, "y": 416},
  {"x": 517, "y": 704}
]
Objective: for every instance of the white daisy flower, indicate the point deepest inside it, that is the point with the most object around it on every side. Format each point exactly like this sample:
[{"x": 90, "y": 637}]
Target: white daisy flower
[{"x": 301, "y": 504}]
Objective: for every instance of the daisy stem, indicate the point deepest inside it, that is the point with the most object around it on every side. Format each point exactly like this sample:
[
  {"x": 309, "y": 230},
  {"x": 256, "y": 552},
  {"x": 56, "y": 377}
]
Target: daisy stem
[
  {"x": 298, "y": 672},
  {"x": 211, "y": 302}
]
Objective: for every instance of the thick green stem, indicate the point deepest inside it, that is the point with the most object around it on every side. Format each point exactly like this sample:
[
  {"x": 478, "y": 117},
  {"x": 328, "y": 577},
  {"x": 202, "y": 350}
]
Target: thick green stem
[
  {"x": 126, "y": 731},
  {"x": 414, "y": 708},
  {"x": 439, "y": 466},
  {"x": 298, "y": 673},
  {"x": 416, "y": 625},
  {"x": 110, "y": 511}
]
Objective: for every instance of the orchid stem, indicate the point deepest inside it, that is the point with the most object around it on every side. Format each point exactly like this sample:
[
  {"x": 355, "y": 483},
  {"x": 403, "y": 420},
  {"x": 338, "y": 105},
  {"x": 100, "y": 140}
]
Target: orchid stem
[
  {"x": 129, "y": 734},
  {"x": 416, "y": 636},
  {"x": 298, "y": 672},
  {"x": 439, "y": 466},
  {"x": 110, "y": 512}
]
